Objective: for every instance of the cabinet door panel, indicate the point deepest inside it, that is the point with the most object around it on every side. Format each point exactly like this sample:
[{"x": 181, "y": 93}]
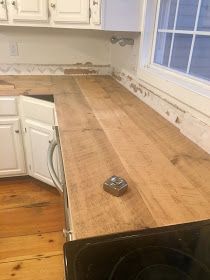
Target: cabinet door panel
[
  {"x": 37, "y": 139},
  {"x": 71, "y": 11},
  {"x": 11, "y": 148},
  {"x": 8, "y": 106},
  {"x": 30, "y": 10},
  {"x": 38, "y": 110},
  {"x": 3, "y": 10}
]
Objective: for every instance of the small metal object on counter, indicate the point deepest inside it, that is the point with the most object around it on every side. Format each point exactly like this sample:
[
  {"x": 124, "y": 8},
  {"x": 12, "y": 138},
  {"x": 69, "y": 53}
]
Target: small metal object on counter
[
  {"x": 116, "y": 186},
  {"x": 122, "y": 41}
]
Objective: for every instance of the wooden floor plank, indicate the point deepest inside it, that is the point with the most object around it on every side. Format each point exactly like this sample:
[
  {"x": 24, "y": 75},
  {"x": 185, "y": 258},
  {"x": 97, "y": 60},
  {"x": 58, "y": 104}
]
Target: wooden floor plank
[
  {"x": 24, "y": 246},
  {"x": 33, "y": 219},
  {"x": 31, "y": 223},
  {"x": 18, "y": 192},
  {"x": 40, "y": 268}
]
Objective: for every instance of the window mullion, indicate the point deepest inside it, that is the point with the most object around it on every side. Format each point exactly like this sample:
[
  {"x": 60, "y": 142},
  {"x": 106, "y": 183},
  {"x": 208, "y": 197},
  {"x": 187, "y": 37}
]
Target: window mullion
[
  {"x": 191, "y": 53},
  {"x": 190, "y": 32},
  {"x": 173, "y": 35},
  {"x": 156, "y": 31},
  {"x": 194, "y": 35}
]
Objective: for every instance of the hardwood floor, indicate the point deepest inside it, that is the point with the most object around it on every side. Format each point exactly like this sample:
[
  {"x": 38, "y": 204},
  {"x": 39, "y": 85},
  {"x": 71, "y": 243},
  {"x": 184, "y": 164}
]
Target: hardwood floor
[{"x": 31, "y": 224}]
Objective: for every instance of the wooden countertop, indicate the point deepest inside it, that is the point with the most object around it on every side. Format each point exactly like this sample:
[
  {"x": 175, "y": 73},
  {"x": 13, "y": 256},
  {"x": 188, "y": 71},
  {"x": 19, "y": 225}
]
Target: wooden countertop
[{"x": 105, "y": 131}]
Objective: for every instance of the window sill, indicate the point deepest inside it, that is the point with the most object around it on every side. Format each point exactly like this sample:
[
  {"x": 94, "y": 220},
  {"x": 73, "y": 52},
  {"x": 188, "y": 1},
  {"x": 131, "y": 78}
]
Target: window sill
[{"x": 178, "y": 89}]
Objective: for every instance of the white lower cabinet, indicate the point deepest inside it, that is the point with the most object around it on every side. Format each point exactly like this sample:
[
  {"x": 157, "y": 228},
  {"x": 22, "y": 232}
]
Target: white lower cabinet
[
  {"x": 26, "y": 132},
  {"x": 11, "y": 147},
  {"x": 38, "y": 119},
  {"x": 37, "y": 138}
]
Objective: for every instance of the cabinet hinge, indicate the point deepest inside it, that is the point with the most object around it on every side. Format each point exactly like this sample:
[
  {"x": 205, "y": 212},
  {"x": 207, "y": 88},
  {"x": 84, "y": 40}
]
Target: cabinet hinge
[
  {"x": 90, "y": 12},
  {"x": 25, "y": 130}
]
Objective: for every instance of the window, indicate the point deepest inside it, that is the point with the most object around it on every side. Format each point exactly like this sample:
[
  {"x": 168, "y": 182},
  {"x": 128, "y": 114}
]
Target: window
[{"x": 182, "y": 37}]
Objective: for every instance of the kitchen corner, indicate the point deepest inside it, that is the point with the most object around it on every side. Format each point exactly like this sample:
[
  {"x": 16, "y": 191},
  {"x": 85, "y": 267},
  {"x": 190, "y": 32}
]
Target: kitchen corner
[{"x": 105, "y": 140}]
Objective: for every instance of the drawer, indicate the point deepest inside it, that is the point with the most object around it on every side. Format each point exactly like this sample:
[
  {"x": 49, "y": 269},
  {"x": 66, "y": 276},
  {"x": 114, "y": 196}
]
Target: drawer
[
  {"x": 8, "y": 106},
  {"x": 39, "y": 110}
]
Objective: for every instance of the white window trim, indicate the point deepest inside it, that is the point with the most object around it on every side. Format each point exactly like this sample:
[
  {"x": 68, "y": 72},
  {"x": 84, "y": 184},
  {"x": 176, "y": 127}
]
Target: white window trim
[{"x": 184, "y": 88}]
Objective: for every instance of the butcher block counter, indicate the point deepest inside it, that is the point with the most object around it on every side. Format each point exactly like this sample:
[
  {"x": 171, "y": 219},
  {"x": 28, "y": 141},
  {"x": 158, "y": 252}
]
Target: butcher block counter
[{"x": 104, "y": 131}]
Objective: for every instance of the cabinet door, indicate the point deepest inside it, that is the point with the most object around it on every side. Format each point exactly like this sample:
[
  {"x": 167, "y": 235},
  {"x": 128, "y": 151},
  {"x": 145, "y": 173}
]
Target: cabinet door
[
  {"x": 3, "y": 10},
  {"x": 11, "y": 148},
  {"x": 37, "y": 140},
  {"x": 71, "y": 11},
  {"x": 37, "y": 110},
  {"x": 122, "y": 15},
  {"x": 30, "y": 10}
]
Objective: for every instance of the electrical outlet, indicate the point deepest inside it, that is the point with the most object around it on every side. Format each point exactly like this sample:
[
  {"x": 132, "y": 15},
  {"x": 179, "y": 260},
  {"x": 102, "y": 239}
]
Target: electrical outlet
[{"x": 13, "y": 49}]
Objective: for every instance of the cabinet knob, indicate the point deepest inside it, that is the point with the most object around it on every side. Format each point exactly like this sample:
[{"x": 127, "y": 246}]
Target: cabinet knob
[
  {"x": 52, "y": 5},
  {"x": 17, "y": 131},
  {"x": 13, "y": 3},
  {"x": 2, "y": 2},
  {"x": 95, "y": 3}
]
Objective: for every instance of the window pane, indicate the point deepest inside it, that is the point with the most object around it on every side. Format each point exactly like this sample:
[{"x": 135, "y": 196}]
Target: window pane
[
  {"x": 162, "y": 50},
  {"x": 200, "y": 65},
  {"x": 167, "y": 14},
  {"x": 187, "y": 14},
  {"x": 181, "y": 52},
  {"x": 204, "y": 17}
]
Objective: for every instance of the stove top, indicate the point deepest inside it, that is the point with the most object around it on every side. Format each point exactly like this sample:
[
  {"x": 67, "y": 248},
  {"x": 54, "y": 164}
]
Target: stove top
[{"x": 180, "y": 252}]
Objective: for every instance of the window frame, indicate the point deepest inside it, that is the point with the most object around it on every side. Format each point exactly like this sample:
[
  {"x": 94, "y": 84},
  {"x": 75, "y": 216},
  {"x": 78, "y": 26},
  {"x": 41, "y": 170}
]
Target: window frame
[
  {"x": 184, "y": 90},
  {"x": 174, "y": 31}
]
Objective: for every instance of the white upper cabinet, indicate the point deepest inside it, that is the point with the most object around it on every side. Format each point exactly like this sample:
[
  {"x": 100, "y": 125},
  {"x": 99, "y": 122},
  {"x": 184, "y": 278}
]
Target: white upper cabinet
[
  {"x": 30, "y": 10},
  {"x": 120, "y": 15},
  {"x": 70, "y": 11},
  {"x": 110, "y": 15},
  {"x": 3, "y": 10}
]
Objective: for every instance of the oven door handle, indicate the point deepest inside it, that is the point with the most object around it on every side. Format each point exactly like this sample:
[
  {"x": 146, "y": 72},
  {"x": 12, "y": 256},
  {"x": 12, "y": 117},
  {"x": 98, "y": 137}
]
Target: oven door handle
[{"x": 51, "y": 150}]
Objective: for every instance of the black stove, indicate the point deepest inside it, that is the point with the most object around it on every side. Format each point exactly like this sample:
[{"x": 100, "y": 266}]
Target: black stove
[{"x": 180, "y": 252}]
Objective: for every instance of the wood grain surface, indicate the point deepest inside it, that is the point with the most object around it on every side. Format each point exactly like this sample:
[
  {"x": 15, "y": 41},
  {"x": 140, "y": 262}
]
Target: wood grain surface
[
  {"x": 31, "y": 239},
  {"x": 105, "y": 131},
  {"x": 5, "y": 85}
]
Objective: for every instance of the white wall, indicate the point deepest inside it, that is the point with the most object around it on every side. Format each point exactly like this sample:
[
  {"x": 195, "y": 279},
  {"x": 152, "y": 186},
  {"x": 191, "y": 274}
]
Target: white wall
[
  {"x": 54, "y": 46},
  {"x": 125, "y": 58}
]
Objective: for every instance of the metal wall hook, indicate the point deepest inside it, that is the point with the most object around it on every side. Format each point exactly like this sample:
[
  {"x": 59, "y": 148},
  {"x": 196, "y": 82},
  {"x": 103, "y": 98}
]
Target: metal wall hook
[{"x": 122, "y": 41}]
